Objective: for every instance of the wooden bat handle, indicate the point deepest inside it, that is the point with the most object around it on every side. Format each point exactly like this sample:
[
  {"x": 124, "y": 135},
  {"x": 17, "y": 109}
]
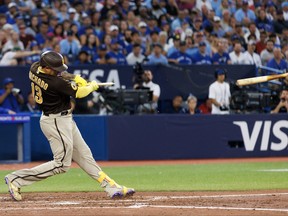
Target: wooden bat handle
[{"x": 260, "y": 79}]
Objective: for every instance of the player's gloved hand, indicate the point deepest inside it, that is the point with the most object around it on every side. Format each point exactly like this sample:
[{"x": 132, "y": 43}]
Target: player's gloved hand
[
  {"x": 80, "y": 81},
  {"x": 94, "y": 85}
]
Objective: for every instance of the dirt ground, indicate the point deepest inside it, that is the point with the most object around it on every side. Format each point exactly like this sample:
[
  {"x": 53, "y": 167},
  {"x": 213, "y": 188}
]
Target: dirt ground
[{"x": 149, "y": 203}]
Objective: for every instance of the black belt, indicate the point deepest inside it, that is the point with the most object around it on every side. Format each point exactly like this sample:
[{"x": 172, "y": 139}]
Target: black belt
[{"x": 63, "y": 113}]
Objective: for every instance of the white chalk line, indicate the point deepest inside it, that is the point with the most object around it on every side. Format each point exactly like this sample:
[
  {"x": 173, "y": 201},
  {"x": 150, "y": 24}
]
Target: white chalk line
[
  {"x": 215, "y": 196},
  {"x": 152, "y": 198}
]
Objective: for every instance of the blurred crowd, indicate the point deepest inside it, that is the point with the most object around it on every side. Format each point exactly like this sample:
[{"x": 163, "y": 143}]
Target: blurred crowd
[{"x": 146, "y": 31}]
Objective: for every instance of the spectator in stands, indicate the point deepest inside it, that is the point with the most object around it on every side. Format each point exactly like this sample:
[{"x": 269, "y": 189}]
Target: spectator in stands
[
  {"x": 115, "y": 56},
  {"x": 6, "y": 111},
  {"x": 267, "y": 54},
  {"x": 200, "y": 57},
  {"x": 25, "y": 38},
  {"x": 206, "y": 107},
  {"x": 156, "y": 57},
  {"x": 225, "y": 23},
  {"x": 245, "y": 15},
  {"x": 70, "y": 47},
  {"x": 135, "y": 55},
  {"x": 83, "y": 58},
  {"x": 191, "y": 106},
  {"x": 177, "y": 22},
  {"x": 197, "y": 24},
  {"x": 62, "y": 14},
  {"x": 219, "y": 93},
  {"x": 252, "y": 30},
  {"x": 176, "y": 44},
  {"x": 10, "y": 57},
  {"x": 33, "y": 58},
  {"x": 10, "y": 97},
  {"x": 91, "y": 45},
  {"x": 237, "y": 56},
  {"x": 221, "y": 56},
  {"x": 12, "y": 12},
  {"x": 279, "y": 23},
  {"x": 282, "y": 106},
  {"x": 250, "y": 57},
  {"x": 261, "y": 44},
  {"x": 58, "y": 32},
  {"x": 180, "y": 57},
  {"x": 163, "y": 36},
  {"x": 172, "y": 9},
  {"x": 41, "y": 37},
  {"x": 217, "y": 28},
  {"x": 13, "y": 43},
  {"x": 262, "y": 22},
  {"x": 151, "y": 107},
  {"x": 33, "y": 27},
  {"x": 100, "y": 58},
  {"x": 239, "y": 34},
  {"x": 31, "y": 105},
  {"x": 176, "y": 105},
  {"x": 225, "y": 5},
  {"x": 277, "y": 62}
]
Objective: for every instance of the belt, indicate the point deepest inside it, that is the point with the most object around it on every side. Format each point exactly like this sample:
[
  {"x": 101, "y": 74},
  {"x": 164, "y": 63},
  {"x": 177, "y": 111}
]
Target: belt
[{"x": 63, "y": 113}]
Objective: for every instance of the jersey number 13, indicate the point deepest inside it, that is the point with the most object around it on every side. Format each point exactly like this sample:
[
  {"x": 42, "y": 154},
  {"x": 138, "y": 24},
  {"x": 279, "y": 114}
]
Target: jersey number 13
[{"x": 37, "y": 93}]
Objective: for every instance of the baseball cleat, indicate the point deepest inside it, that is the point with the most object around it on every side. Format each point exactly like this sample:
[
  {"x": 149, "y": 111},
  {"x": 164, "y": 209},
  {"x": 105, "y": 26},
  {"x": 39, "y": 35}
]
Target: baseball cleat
[
  {"x": 13, "y": 190},
  {"x": 113, "y": 189},
  {"x": 121, "y": 192}
]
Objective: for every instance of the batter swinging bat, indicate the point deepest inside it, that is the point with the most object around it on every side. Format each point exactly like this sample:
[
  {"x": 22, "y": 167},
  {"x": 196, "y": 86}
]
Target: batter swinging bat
[
  {"x": 260, "y": 79},
  {"x": 105, "y": 84}
]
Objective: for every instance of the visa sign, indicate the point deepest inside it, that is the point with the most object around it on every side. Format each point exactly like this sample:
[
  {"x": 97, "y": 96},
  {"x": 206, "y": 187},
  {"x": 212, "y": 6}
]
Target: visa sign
[{"x": 250, "y": 138}]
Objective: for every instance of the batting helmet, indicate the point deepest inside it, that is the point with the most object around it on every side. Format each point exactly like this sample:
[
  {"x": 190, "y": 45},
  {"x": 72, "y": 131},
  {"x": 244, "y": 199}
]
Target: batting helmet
[{"x": 53, "y": 60}]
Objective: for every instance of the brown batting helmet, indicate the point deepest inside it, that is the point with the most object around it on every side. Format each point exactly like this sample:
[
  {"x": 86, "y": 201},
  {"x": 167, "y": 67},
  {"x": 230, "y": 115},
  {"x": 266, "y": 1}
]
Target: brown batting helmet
[{"x": 53, "y": 60}]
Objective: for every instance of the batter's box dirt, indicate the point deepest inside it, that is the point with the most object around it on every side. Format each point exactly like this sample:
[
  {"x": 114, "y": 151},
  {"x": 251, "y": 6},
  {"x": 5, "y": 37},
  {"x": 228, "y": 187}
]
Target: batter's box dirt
[{"x": 149, "y": 203}]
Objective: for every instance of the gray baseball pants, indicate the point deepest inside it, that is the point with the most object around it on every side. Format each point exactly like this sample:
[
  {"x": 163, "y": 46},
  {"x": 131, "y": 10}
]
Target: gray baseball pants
[{"x": 67, "y": 144}]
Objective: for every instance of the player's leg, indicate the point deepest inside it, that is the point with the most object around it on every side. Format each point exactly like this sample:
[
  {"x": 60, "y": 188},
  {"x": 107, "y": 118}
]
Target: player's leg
[
  {"x": 58, "y": 131},
  {"x": 83, "y": 157}
]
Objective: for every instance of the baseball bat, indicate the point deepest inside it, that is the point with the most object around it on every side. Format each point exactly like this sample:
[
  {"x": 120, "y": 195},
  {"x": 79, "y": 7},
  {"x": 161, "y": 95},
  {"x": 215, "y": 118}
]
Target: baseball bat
[
  {"x": 260, "y": 79},
  {"x": 105, "y": 84}
]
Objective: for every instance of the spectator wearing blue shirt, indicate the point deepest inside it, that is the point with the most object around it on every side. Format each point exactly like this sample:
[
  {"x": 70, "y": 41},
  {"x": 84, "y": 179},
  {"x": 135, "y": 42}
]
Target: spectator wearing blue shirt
[
  {"x": 10, "y": 97},
  {"x": 83, "y": 58},
  {"x": 33, "y": 58},
  {"x": 177, "y": 22},
  {"x": 277, "y": 62},
  {"x": 200, "y": 57},
  {"x": 70, "y": 47},
  {"x": 217, "y": 28},
  {"x": 156, "y": 57},
  {"x": 91, "y": 45},
  {"x": 175, "y": 46},
  {"x": 221, "y": 56},
  {"x": 115, "y": 56},
  {"x": 180, "y": 57},
  {"x": 41, "y": 37},
  {"x": 244, "y": 14},
  {"x": 11, "y": 13}
]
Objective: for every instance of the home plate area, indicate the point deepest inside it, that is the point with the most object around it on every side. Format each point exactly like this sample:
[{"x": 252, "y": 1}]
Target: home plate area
[{"x": 149, "y": 203}]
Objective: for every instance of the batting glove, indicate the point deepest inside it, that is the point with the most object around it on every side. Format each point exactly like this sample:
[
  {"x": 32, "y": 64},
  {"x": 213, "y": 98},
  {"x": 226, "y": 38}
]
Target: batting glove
[
  {"x": 94, "y": 85},
  {"x": 80, "y": 81}
]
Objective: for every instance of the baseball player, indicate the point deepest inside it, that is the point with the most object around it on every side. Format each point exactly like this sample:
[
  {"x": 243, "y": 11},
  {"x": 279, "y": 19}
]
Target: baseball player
[{"x": 52, "y": 94}]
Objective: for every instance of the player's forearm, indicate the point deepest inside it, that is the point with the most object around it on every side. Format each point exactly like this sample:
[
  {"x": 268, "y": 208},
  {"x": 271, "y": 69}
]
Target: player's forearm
[{"x": 83, "y": 91}]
